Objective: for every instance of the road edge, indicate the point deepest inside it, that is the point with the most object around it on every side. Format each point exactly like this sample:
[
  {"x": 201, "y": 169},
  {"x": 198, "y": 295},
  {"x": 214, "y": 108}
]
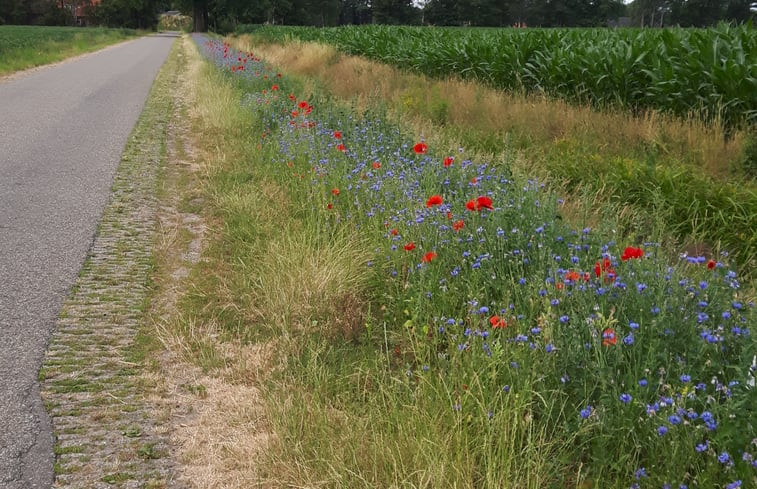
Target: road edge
[{"x": 91, "y": 379}]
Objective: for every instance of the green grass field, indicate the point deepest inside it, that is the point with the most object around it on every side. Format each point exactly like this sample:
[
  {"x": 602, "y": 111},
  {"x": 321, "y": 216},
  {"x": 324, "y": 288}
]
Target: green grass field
[{"x": 23, "y": 47}]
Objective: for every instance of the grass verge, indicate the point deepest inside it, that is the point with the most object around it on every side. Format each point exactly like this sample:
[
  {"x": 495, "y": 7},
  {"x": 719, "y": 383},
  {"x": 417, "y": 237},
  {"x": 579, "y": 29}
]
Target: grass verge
[
  {"x": 414, "y": 339},
  {"x": 23, "y": 47}
]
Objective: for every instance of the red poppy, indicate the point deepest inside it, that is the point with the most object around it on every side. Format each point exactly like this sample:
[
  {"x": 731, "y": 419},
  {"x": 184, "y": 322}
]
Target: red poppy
[
  {"x": 340, "y": 147},
  {"x": 302, "y": 104},
  {"x": 711, "y": 264},
  {"x": 606, "y": 268},
  {"x": 559, "y": 285},
  {"x": 631, "y": 252},
  {"x": 572, "y": 275},
  {"x": 376, "y": 165},
  {"x": 448, "y": 161},
  {"x": 428, "y": 257},
  {"x": 329, "y": 206},
  {"x": 394, "y": 232},
  {"x": 474, "y": 180},
  {"x": 483, "y": 202},
  {"x": 420, "y": 148},
  {"x": 292, "y": 97},
  {"x": 410, "y": 246},
  {"x": 335, "y": 191},
  {"x": 338, "y": 134},
  {"x": 278, "y": 75},
  {"x": 275, "y": 87},
  {"x": 497, "y": 322},
  {"x": 609, "y": 337},
  {"x": 295, "y": 113},
  {"x": 458, "y": 225},
  {"x": 471, "y": 205},
  {"x": 434, "y": 200}
]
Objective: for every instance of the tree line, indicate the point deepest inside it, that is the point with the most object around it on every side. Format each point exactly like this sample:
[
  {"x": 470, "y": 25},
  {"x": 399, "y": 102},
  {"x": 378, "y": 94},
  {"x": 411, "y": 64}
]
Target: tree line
[{"x": 226, "y": 15}]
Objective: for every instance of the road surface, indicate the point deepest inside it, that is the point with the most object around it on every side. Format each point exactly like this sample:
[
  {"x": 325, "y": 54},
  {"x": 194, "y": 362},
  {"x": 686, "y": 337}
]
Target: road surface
[{"x": 62, "y": 131}]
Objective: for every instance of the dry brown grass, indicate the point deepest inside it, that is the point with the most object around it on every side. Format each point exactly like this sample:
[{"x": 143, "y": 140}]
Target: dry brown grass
[
  {"x": 470, "y": 106},
  {"x": 215, "y": 416}
]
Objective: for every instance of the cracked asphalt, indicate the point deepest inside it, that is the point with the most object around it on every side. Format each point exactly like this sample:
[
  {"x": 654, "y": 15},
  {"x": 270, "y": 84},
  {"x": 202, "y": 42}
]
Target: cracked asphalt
[{"x": 62, "y": 131}]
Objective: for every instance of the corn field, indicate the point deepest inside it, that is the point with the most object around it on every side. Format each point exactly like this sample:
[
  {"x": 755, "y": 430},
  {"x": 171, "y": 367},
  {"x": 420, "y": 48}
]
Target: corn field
[{"x": 707, "y": 73}]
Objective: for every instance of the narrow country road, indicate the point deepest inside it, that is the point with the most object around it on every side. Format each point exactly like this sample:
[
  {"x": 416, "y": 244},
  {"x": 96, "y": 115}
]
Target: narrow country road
[{"x": 62, "y": 131}]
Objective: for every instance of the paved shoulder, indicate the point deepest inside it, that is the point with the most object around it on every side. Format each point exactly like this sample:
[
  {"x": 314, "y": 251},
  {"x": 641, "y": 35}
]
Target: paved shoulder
[{"x": 62, "y": 132}]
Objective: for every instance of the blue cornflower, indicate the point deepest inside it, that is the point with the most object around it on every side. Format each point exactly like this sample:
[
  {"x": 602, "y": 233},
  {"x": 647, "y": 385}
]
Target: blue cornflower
[
  {"x": 643, "y": 382},
  {"x": 662, "y": 430},
  {"x": 640, "y": 473},
  {"x": 564, "y": 319},
  {"x": 685, "y": 378},
  {"x": 701, "y": 447},
  {"x": 555, "y": 302},
  {"x": 549, "y": 348},
  {"x": 625, "y": 398},
  {"x": 633, "y": 325},
  {"x": 724, "y": 458},
  {"x": 674, "y": 419},
  {"x": 483, "y": 310},
  {"x": 734, "y": 485},
  {"x": 628, "y": 340},
  {"x": 585, "y": 412}
]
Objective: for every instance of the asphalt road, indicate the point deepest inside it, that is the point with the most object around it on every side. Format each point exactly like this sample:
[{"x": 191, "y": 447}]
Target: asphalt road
[{"x": 62, "y": 131}]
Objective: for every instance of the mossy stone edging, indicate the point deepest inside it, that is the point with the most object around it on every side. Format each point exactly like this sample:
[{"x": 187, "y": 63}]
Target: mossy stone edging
[{"x": 91, "y": 382}]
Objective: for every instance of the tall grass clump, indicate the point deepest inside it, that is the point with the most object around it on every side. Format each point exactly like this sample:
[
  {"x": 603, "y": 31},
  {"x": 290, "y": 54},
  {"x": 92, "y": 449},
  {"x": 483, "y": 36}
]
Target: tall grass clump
[{"x": 490, "y": 343}]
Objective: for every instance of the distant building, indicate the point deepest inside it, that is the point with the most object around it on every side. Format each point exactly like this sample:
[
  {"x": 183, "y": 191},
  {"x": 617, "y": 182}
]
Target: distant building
[{"x": 80, "y": 10}]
